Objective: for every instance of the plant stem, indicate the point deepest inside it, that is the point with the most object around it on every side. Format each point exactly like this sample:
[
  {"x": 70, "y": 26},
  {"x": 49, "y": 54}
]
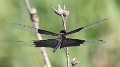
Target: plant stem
[
  {"x": 35, "y": 20},
  {"x": 67, "y": 50}
]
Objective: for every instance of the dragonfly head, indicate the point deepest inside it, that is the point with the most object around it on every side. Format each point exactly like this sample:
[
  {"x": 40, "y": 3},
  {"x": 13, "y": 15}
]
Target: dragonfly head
[{"x": 62, "y": 31}]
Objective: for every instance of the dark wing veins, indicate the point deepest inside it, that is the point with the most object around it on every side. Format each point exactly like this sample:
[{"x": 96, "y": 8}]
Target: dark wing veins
[
  {"x": 67, "y": 42},
  {"x": 47, "y": 32},
  {"x": 76, "y": 42},
  {"x": 85, "y": 27},
  {"x": 46, "y": 43}
]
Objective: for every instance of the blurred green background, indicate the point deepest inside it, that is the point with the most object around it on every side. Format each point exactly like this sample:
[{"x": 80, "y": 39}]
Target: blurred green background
[{"x": 82, "y": 12}]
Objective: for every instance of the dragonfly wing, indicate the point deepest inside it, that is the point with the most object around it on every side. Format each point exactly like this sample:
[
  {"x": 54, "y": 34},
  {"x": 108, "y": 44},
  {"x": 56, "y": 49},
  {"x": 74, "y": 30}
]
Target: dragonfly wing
[
  {"x": 46, "y": 43},
  {"x": 47, "y": 32},
  {"x": 86, "y": 27},
  {"x": 74, "y": 31},
  {"x": 71, "y": 42},
  {"x": 95, "y": 42},
  {"x": 22, "y": 27},
  {"x": 30, "y": 28},
  {"x": 76, "y": 42}
]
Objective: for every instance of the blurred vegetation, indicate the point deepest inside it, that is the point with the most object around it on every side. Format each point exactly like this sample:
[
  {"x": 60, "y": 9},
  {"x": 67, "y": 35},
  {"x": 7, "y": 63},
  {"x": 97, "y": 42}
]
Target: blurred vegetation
[{"x": 82, "y": 12}]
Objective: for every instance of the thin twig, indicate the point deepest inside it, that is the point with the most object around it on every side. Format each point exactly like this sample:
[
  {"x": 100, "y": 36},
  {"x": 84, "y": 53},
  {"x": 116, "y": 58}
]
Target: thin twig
[
  {"x": 34, "y": 18},
  {"x": 63, "y": 13},
  {"x": 64, "y": 18},
  {"x": 64, "y": 22},
  {"x": 67, "y": 50}
]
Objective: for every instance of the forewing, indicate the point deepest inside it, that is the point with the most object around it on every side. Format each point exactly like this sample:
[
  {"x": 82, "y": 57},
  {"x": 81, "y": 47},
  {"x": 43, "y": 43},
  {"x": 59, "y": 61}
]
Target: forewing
[
  {"x": 74, "y": 31},
  {"x": 22, "y": 27},
  {"x": 71, "y": 42},
  {"x": 86, "y": 27},
  {"x": 30, "y": 28},
  {"x": 46, "y": 43},
  {"x": 47, "y": 32}
]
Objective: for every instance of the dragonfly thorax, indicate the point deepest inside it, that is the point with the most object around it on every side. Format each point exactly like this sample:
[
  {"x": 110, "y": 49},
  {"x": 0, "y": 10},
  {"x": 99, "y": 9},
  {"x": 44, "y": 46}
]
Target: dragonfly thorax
[
  {"x": 61, "y": 36},
  {"x": 62, "y": 31}
]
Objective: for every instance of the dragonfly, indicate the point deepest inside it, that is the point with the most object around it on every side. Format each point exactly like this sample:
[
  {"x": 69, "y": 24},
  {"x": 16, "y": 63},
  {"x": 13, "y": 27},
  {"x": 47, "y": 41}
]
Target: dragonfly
[{"x": 62, "y": 40}]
